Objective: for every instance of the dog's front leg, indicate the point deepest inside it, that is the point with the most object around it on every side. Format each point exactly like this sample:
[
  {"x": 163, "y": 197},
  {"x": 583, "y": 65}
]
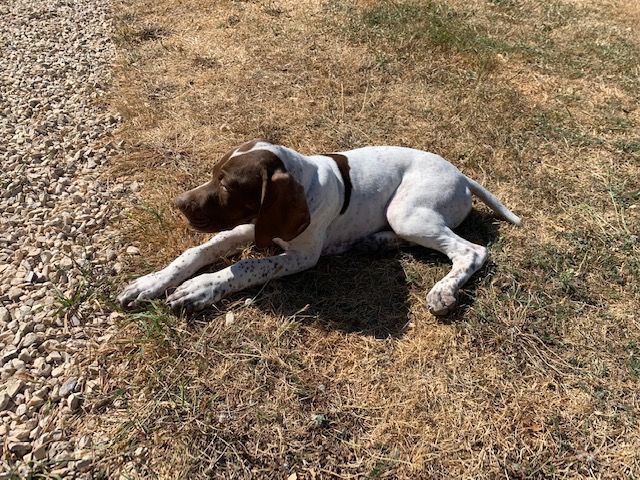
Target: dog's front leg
[
  {"x": 208, "y": 288},
  {"x": 156, "y": 284}
]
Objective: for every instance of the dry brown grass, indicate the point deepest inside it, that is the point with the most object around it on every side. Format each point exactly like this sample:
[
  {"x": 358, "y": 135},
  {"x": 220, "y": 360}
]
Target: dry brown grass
[{"x": 340, "y": 372}]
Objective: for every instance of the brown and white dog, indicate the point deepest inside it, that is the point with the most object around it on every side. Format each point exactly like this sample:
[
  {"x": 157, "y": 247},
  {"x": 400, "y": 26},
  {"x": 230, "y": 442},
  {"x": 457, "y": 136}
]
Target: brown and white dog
[{"x": 318, "y": 205}]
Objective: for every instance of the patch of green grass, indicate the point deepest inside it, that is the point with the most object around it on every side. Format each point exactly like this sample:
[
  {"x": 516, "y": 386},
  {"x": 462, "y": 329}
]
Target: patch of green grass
[
  {"x": 615, "y": 123},
  {"x": 70, "y": 302},
  {"x": 551, "y": 13},
  {"x": 567, "y": 281},
  {"x": 149, "y": 213},
  {"x": 616, "y": 52},
  {"x": 557, "y": 125},
  {"x": 593, "y": 48},
  {"x": 595, "y": 53},
  {"x": 633, "y": 350},
  {"x": 387, "y": 459},
  {"x": 623, "y": 193},
  {"x": 503, "y": 3},
  {"x": 156, "y": 324},
  {"x": 631, "y": 146},
  {"x": 378, "y": 470},
  {"x": 557, "y": 14},
  {"x": 417, "y": 28},
  {"x": 93, "y": 283}
]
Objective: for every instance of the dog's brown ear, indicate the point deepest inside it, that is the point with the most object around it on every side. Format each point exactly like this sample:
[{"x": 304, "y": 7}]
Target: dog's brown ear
[{"x": 284, "y": 212}]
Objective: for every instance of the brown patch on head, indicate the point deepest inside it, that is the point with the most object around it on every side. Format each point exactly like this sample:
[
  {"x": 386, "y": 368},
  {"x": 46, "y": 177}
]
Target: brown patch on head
[
  {"x": 230, "y": 198},
  {"x": 343, "y": 166},
  {"x": 248, "y": 187}
]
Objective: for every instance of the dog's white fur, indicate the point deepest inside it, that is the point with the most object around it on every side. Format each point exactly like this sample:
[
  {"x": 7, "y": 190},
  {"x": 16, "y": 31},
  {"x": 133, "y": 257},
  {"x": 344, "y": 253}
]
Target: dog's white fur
[{"x": 398, "y": 194}]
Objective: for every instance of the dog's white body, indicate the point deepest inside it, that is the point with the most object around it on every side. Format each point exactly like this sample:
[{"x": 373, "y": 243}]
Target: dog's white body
[{"x": 396, "y": 194}]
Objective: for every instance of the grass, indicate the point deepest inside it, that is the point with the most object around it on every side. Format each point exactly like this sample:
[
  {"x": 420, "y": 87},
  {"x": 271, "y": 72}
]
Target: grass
[
  {"x": 415, "y": 29},
  {"x": 340, "y": 372},
  {"x": 91, "y": 285}
]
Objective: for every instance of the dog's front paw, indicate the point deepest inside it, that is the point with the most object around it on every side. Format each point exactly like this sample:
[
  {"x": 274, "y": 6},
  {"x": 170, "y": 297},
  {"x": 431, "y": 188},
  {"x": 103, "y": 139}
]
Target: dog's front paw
[
  {"x": 197, "y": 293},
  {"x": 144, "y": 288},
  {"x": 441, "y": 300}
]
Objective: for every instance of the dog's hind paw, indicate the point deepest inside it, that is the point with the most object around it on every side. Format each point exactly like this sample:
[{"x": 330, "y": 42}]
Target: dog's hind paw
[{"x": 441, "y": 301}]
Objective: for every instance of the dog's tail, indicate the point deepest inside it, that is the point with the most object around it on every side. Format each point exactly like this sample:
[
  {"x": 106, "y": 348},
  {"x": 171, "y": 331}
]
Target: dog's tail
[{"x": 490, "y": 200}]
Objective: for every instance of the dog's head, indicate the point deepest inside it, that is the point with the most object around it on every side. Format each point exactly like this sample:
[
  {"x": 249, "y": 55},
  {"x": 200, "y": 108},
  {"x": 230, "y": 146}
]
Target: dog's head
[{"x": 248, "y": 186}]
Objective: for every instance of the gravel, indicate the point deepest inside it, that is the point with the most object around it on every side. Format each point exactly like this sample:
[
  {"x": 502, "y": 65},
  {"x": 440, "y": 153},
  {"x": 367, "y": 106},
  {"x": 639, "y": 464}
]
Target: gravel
[{"x": 57, "y": 248}]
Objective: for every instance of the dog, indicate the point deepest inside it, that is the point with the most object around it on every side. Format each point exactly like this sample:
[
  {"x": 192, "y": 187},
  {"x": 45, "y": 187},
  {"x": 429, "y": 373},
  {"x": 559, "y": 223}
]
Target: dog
[{"x": 308, "y": 206}]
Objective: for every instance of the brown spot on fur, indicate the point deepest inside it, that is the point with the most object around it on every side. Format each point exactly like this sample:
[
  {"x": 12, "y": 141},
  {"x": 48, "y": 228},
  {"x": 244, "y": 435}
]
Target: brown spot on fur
[{"x": 343, "y": 165}]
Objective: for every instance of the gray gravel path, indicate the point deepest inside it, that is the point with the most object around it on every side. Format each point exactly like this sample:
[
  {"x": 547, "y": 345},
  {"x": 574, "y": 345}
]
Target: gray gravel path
[{"x": 56, "y": 246}]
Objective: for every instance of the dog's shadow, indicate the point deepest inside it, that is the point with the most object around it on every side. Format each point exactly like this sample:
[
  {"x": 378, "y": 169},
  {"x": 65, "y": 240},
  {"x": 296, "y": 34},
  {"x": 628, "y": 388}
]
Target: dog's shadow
[{"x": 369, "y": 294}]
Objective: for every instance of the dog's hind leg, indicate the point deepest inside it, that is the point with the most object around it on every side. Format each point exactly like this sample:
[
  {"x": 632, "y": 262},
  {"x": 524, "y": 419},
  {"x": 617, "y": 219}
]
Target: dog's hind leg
[{"x": 427, "y": 228}]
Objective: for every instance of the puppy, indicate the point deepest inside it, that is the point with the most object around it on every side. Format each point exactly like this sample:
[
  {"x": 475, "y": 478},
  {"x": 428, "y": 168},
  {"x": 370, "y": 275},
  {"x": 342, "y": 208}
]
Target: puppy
[{"x": 313, "y": 205}]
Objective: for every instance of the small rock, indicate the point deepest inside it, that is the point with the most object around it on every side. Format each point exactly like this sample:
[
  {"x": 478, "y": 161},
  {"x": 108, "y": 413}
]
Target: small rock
[
  {"x": 14, "y": 388},
  {"x": 84, "y": 442},
  {"x": 54, "y": 355},
  {"x": 74, "y": 401},
  {"x": 66, "y": 262},
  {"x": 83, "y": 464},
  {"x": 133, "y": 250},
  {"x": 39, "y": 363},
  {"x": 31, "y": 339},
  {"x": 42, "y": 392},
  {"x": 35, "y": 402},
  {"x": 59, "y": 449},
  {"x": 5, "y": 401},
  {"x": 68, "y": 386},
  {"x": 20, "y": 449},
  {"x": 9, "y": 354},
  {"x": 61, "y": 472},
  {"x": 18, "y": 364},
  {"x": 45, "y": 371},
  {"x": 25, "y": 356},
  {"x": 20, "y": 434},
  {"x": 229, "y": 319},
  {"x": 15, "y": 293},
  {"x": 39, "y": 453}
]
